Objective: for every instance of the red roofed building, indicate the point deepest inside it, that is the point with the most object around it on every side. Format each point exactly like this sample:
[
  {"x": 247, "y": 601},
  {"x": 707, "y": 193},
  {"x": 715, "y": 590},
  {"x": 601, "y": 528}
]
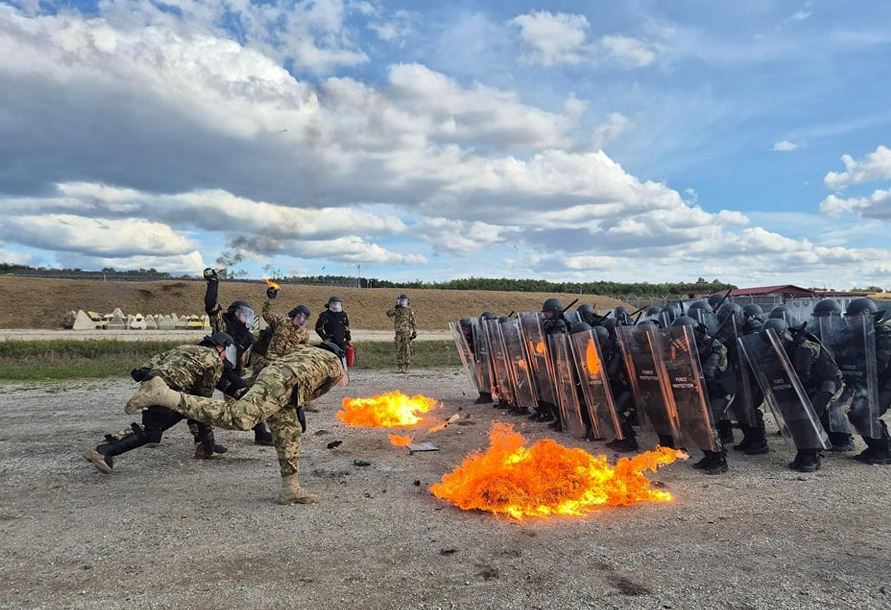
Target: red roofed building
[{"x": 786, "y": 291}]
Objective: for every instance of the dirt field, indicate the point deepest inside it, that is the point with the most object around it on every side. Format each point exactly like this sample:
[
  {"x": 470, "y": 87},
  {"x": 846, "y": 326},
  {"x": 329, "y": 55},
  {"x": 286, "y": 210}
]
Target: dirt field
[
  {"x": 186, "y": 336},
  {"x": 41, "y": 303},
  {"x": 166, "y": 531}
]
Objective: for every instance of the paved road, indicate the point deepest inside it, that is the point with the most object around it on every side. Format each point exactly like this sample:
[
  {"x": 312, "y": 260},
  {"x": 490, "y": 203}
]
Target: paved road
[{"x": 35, "y": 334}]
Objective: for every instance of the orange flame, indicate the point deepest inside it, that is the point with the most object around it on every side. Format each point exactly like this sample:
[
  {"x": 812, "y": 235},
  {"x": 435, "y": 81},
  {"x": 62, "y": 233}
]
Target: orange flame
[
  {"x": 548, "y": 479},
  {"x": 271, "y": 284},
  {"x": 540, "y": 348},
  {"x": 592, "y": 359},
  {"x": 391, "y": 410},
  {"x": 400, "y": 440}
]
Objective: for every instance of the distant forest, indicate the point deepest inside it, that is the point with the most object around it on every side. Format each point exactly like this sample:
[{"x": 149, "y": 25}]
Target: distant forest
[{"x": 617, "y": 289}]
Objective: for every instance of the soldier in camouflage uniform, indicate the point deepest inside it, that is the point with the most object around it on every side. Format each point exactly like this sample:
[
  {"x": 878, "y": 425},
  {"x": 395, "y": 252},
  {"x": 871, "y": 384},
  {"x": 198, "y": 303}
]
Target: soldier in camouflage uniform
[
  {"x": 288, "y": 333},
  {"x": 280, "y": 389},
  {"x": 196, "y": 369},
  {"x": 237, "y": 320},
  {"x": 406, "y": 331}
]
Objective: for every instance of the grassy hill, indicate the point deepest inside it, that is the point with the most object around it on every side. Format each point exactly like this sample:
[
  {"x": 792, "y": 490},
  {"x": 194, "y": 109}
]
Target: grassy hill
[{"x": 41, "y": 302}]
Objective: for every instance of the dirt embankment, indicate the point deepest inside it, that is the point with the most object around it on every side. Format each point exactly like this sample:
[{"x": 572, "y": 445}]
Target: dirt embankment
[{"x": 41, "y": 303}]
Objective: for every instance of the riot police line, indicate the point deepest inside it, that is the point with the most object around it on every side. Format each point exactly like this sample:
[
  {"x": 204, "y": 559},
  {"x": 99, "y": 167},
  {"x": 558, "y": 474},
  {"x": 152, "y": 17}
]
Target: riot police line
[{"x": 691, "y": 375}]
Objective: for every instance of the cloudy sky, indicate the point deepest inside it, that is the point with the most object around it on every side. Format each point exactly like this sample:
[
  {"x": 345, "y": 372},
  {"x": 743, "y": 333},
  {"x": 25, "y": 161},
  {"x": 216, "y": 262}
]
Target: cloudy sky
[{"x": 641, "y": 140}]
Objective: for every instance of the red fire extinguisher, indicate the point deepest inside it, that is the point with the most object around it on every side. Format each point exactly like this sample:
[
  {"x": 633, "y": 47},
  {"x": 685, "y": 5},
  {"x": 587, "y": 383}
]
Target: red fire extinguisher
[{"x": 350, "y": 355}]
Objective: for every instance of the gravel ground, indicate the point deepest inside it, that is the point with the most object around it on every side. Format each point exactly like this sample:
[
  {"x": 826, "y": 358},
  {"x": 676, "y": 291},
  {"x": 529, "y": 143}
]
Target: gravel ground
[{"x": 170, "y": 532}]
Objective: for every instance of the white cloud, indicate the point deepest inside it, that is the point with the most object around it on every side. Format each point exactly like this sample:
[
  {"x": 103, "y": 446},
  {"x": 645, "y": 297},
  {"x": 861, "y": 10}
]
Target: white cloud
[
  {"x": 786, "y": 146},
  {"x": 94, "y": 236},
  {"x": 615, "y": 125},
  {"x": 458, "y": 236},
  {"x": 877, "y": 205},
  {"x": 875, "y": 166},
  {"x": 628, "y": 51},
  {"x": 553, "y": 38}
]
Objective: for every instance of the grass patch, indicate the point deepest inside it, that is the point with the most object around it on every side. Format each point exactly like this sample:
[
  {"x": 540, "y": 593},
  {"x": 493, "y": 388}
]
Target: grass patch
[{"x": 65, "y": 359}]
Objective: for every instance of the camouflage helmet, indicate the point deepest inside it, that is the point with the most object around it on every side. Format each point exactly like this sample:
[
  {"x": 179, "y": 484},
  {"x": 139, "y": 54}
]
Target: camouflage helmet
[{"x": 299, "y": 309}]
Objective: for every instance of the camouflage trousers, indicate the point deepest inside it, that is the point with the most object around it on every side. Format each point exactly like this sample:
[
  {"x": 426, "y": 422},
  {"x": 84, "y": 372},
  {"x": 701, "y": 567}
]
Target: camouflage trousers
[
  {"x": 403, "y": 351},
  {"x": 268, "y": 400}
]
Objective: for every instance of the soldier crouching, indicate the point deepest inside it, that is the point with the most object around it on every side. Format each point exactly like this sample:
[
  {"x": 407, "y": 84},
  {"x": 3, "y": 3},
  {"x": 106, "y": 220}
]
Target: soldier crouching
[{"x": 280, "y": 390}]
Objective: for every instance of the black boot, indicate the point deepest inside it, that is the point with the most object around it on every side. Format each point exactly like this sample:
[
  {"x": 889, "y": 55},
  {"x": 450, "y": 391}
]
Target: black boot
[
  {"x": 878, "y": 452},
  {"x": 102, "y": 456},
  {"x": 625, "y": 445},
  {"x": 485, "y": 398},
  {"x": 725, "y": 431},
  {"x": 806, "y": 460},
  {"x": 754, "y": 441},
  {"x": 841, "y": 442},
  {"x": 205, "y": 446},
  {"x": 262, "y": 436},
  {"x": 717, "y": 463},
  {"x": 666, "y": 440}
]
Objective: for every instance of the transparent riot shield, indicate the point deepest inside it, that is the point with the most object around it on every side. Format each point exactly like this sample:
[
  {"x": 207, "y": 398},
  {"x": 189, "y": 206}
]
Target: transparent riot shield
[
  {"x": 746, "y": 400},
  {"x": 852, "y": 343},
  {"x": 592, "y": 373},
  {"x": 565, "y": 384},
  {"x": 706, "y": 318},
  {"x": 465, "y": 353},
  {"x": 572, "y": 317},
  {"x": 784, "y": 393},
  {"x": 519, "y": 367},
  {"x": 651, "y": 394},
  {"x": 482, "y": 356},
  {"x": 678, "y": 360},
  {"x": 500, "y": 366},
  {"x": 537, "y": 354}
]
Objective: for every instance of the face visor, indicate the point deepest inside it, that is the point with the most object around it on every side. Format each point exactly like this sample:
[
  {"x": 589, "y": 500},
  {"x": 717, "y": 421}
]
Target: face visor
[
  {"x": 335, "y": 306},
  {"x": 245, "y": 315},
  {"x": 231, "y": 354}
]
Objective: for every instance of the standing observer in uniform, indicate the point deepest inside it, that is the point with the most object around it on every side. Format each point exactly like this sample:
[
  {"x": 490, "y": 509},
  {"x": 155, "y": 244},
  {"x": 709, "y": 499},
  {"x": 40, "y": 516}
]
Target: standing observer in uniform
[
  {"x": 406, "y": 331},
  {"x": 333, "y": 324}
]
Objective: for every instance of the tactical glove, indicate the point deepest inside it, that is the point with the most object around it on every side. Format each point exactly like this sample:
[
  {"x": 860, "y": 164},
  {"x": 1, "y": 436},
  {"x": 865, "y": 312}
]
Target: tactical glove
[
  {"x": 301, "y": 417},
  {"x": 414, "y": 335}
]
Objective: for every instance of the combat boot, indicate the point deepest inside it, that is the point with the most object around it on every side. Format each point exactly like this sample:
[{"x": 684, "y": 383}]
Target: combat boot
[
  {"x": 206, "y": 447},
  {"x": 725, "y": 431},
  {"x": 717, "y": 464},
  {"x": 262, "y": 436},
  {"x": 877, "y": 453},
  {"x": 625, "y": 445},
  {"x": 292, "y": 493},
  {"x": 806, "y": 460},
  {"x": 754, "y": 441},
  {"x": 666, "y": 440},
  {"x": 484, "y": 398},
  {"x": 152, "y": 392},
  {"x": 102, "y": 456},
  {"x": 841, "y": 442}
]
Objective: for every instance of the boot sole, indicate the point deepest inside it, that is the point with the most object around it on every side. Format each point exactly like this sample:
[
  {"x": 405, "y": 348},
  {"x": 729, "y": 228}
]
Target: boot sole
[
  {"x": 759, "y": 451},
  {"x": 300, "y": 500},
  {"x": 96, "y": 459}
]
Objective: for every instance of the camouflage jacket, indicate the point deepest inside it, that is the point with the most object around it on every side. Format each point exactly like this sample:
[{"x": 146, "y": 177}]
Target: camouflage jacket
[
  {"x": 315, "y": 372},
  {"x": 285, "y": 336},
  {"x": 189, "y": 368},
  {"x": 812, "y": 364},
  {"x": 403, "y": 320}
]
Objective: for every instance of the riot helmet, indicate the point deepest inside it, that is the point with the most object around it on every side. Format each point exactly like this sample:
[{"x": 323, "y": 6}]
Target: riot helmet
[
  {"x": 299, "y": 315},
  {"x": 225, "y": 344},
  {"x": 826, "y": 308},
  {"x": 861, "y": 306},
  {"x": 552, "y": 308},
  {"x": 243, "y": 312},
  {"x": 716, "y": 300},
  {"x": 334, "y": 304},
  {"x": 752, "y": 310},
  {"x": 587, "y": 314},
  {"x": 579, "y": 327},
  {"x": 727, "y": 310}
]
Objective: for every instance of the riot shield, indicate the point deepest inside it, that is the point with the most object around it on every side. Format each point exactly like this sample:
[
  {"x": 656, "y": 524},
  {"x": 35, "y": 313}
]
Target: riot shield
[
  {"x": 499, "y": 362},
  {"x": 706, "y": 318},
  {"x": 537, "y": 355},
  {"x": 482, "y": 356},
  {"x": 572, "y": 317},
  {"x": 651, "y": 393},
  {"x": 783, "y": 392},
  {"x": 592, "y": 373},
  {"x": 744, "y": 405},
  {"x": 465, "y": 353},
  {"x": 852, "y": 343},
  {"x": 519, "y": 368},
  {"x": 677, "y": 359},
  {"x": 565, "y": 384}
]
